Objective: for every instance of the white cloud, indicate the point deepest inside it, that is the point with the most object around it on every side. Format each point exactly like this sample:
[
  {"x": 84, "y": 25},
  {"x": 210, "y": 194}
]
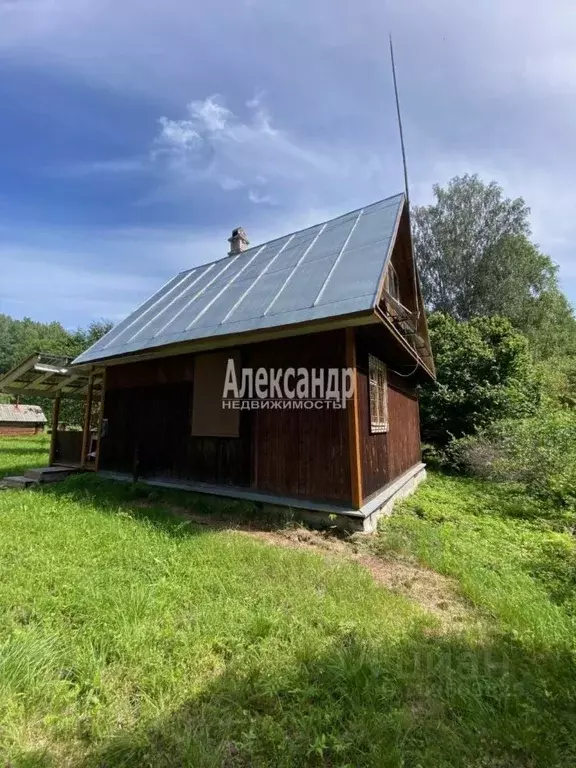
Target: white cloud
[
  {"x": 486, "y": 87},
  {"x": 250, "y": 154},
  {"x": 95, "y": 167},
  {"x": 106, "y": 274},
  {"x": 213, "y": 144},
  {"x": 256, "y": 197},
  {"x": 253, "y": 154}
]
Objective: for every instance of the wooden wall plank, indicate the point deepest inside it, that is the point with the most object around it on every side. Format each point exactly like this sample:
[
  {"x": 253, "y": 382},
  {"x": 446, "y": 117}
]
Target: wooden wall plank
[
  {"x": 303, "y": 453},
  {"x": 69, "y": 447},
  {"x": 353, "y": 424},
  {"x": 290, "y": 452},
  {"x": 18, "y": 430},
  {"x": 386, "y": 456},
  {"x": 100, "y": 418}
]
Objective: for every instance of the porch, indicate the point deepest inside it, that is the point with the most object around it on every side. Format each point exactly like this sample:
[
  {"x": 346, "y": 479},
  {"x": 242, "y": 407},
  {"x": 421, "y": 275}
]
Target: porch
[{"x": 77, "y": 410}]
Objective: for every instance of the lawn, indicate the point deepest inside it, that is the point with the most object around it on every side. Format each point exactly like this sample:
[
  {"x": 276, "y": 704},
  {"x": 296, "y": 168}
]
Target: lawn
[
  {"x": 17, "y": 454},
  {"x": 133, "y": 636}
]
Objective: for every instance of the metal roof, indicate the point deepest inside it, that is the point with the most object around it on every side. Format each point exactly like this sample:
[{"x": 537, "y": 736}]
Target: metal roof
[
  {"x": 29, "y": 414},
  {"x": 329, "y": 270},
  {"x": 46, "y": 375}
]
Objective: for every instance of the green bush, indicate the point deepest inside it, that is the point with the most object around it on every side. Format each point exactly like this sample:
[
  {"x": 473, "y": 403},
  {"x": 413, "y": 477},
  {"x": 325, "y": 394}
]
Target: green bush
[
  {"x": 557, "y": 379},
  {"x": 485, "y": 374},
  {"x": 539, "y": 452},
  {"x": 478, "y": 455}
]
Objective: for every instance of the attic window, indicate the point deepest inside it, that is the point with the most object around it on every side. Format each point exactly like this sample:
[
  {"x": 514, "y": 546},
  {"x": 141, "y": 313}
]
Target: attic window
[
  {"x": 393, "y": 283},
  {"x": 377, "y": 378}
]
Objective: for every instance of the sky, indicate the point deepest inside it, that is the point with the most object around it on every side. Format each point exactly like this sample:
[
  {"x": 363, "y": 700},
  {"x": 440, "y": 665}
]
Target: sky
[{"x": 135, "y": 135}]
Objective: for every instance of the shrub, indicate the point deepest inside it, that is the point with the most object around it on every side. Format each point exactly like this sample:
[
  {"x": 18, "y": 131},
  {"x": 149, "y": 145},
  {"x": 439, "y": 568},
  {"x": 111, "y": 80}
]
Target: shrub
[
  {"x": 557, "y": 379},
  {"x": 485, "y": 374},
  {"x": 539, "y": 452},
  {"x": 479, "y": 455},
  {"x": 435, "y": 457}
]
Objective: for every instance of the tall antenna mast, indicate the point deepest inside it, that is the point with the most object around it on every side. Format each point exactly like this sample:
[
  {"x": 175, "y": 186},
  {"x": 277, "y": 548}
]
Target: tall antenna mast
[
  {"x": 406, "y": 189},
  {"x": 400, "y": 123}
]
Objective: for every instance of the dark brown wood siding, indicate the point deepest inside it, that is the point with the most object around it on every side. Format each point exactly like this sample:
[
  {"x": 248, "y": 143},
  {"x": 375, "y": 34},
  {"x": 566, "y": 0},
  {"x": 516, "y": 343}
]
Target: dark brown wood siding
[
  {"x": 303, "y": 453},
  {"x": 402, "y": 262},
  {"x": 404, "y": 433},
  {"x": 149, "y": 430},
  {"x": 68, "y": 449},
  {"x": 386, "y": 456},
  {"x": 290, "y": 452}
]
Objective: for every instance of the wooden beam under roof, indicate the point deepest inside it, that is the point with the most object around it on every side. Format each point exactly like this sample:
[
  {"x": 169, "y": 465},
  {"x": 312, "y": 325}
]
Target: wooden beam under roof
[{"x": 30, "y": 376}]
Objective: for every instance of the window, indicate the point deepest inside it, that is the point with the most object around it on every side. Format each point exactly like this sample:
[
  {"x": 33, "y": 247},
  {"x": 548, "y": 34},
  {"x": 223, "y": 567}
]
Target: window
[
  {"x": 393, "y": 283},
  {"x": 378, "y": 395}
]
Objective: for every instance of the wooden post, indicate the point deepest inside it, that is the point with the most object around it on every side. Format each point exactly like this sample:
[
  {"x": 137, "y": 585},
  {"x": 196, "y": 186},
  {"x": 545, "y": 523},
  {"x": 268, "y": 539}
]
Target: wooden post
[
  {"x": 100, "y": 419},
  {"x": 86, "y": 428},
  {"x": 54, "y": 435},
  {"x": 353, "y": 424}
]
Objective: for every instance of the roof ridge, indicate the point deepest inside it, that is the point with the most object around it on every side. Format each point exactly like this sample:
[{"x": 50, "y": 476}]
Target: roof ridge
[
  {"x": 323, "y": 271},
  {"x": 297, "y": 231}
]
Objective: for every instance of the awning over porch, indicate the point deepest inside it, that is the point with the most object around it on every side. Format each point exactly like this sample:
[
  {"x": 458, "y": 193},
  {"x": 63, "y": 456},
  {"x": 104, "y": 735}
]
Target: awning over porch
[
  {"x": 45, "y": 375},
  {"x": 51, "y": 376}
]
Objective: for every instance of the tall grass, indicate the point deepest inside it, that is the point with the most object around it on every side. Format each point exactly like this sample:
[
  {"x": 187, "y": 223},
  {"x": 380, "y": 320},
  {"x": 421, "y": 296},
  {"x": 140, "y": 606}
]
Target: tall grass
[
  {"x": 507, "y": 550},
  {"x": 132, "y": 637}
]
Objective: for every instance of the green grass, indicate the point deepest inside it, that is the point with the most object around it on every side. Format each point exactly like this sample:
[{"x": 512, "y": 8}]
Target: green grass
[
  {"x": 512, "y": 556},
  {"x": 17, "y": 454},
  {"x": 515, "y": 561},
  {"x": 131, "y": 637}
]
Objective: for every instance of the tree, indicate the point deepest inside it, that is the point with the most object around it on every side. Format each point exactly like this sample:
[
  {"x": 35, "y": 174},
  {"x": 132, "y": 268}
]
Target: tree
[
  {"x": 21, "y": 338},
  {"x": 485, "y": 374},
  {"x": 454, "y": 237},
  {"x": 476, "y": 260},
  {"x": 83, "y": 338}
]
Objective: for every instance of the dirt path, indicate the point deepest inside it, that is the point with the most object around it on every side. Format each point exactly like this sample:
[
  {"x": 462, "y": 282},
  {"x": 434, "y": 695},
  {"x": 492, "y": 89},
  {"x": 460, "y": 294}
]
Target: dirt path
[{"x": 433, "y": 592}]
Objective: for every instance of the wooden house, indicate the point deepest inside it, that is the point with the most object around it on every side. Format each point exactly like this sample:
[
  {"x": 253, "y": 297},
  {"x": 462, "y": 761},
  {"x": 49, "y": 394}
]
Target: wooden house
[
  {"x": 285, "y": 374},
  {"x": 21, "y": 420},
  {"x": 343, "y": 294}
]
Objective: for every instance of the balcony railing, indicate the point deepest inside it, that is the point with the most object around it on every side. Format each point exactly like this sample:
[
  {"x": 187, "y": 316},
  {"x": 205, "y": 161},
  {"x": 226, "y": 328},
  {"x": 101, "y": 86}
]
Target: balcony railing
[{"x": 405, "y": 322}]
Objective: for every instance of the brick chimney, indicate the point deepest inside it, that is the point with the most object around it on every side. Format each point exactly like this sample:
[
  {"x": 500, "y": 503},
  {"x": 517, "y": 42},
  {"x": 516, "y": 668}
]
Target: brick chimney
[{"x": 238, "y": 242}]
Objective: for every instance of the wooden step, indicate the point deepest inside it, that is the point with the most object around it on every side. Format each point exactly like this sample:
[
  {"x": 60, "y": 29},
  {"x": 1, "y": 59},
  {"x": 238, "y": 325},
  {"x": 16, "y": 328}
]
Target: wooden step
[
  {"x": 49, "y": 474},
  {"x": 17, "y": 481}
]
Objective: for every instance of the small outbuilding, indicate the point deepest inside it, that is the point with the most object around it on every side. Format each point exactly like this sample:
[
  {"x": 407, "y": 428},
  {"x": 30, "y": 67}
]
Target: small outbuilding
[{"x": 19, "y": 420}]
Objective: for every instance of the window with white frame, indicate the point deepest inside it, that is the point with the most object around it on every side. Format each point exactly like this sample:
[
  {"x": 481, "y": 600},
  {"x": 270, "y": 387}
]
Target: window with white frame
[{"x": 378, "y": 395}]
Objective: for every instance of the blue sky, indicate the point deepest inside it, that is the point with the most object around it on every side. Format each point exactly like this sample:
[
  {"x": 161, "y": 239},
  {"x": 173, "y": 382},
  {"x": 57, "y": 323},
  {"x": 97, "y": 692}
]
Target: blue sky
[{"x": 135, "y": 135}]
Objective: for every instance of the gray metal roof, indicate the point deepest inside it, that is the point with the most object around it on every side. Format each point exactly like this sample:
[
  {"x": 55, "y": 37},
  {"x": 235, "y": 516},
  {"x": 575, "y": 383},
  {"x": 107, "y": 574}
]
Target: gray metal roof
[
  {"x": 25, "y": 414},
  {"x": 328, "y": 270}
]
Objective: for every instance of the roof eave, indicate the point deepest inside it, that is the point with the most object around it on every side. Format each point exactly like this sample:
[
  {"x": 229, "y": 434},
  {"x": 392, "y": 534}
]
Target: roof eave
[
  {"x": 391, "y": 244},
  {"x": 365, "y": 317}
]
